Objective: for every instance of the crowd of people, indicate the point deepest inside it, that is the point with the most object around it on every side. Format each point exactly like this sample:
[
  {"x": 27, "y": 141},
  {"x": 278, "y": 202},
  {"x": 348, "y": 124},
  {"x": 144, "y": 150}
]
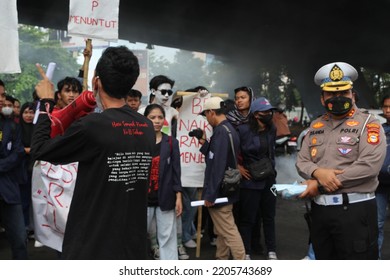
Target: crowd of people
[{"x": 129, "y": 201}]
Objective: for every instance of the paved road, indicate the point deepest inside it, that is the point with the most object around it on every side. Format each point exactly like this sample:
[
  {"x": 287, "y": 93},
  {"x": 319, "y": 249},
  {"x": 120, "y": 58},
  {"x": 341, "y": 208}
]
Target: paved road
[{"x": 291, "y": 231}]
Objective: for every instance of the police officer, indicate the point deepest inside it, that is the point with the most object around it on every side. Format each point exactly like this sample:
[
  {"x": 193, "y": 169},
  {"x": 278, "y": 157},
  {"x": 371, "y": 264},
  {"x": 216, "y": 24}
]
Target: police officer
[{"x": 340, "y": 159}]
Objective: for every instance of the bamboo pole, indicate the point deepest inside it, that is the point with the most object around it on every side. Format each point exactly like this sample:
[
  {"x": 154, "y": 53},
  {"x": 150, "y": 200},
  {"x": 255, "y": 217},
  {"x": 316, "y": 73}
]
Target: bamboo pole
[
  {"x": 186, "y": 93},
  {"x": 199, "y": 226},
  {"x": 88, "y": 46}
]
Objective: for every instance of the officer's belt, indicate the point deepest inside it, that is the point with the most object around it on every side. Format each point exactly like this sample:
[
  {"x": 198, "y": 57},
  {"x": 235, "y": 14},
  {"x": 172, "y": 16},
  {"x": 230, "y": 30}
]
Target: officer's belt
[{"x": 337, "y": 199}]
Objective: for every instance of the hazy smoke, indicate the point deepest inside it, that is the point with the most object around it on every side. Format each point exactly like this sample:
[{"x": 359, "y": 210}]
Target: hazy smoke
[{"x": 287, "y": 173}]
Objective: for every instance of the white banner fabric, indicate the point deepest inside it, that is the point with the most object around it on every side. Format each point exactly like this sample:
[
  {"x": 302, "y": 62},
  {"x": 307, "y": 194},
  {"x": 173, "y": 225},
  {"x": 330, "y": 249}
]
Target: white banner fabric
[
  {"x": 192, "y": 160},
  {"x": 9, "y": 44},
  {"x": 97, "y": 19}
]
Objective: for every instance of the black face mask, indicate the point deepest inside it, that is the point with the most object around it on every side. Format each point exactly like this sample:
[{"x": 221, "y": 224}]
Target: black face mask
[
  {"x": 338, "y": 105},
  {"x": 266, "y": 119}
]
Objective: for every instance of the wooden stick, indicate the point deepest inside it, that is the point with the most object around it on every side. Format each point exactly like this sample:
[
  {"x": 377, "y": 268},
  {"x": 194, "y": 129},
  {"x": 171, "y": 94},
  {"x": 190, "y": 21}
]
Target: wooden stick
[
  {"x": 186, "y": 93},
  {"x": 88, "y": 46},
  {"x": 199, "y": 225}
]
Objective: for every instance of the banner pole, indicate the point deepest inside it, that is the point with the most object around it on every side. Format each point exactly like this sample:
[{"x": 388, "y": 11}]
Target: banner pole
[
  {"x": 187, "y": 93},
  {"x": 88, "y": 47},
  {"x": 199, "y": 225}
]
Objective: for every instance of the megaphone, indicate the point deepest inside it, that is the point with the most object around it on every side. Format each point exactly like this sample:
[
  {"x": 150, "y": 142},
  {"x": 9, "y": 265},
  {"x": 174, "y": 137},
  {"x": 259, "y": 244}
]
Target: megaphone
[{"x": 84, "y": 104}]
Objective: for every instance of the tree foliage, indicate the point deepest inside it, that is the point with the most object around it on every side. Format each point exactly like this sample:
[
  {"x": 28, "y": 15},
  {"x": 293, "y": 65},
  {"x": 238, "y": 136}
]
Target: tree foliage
[
  {"x": 186, "y": 69},
  {"x": 276, "y": 84},
  {"x": 379, "y": 84},
  {"x": 35, "y": 47}
]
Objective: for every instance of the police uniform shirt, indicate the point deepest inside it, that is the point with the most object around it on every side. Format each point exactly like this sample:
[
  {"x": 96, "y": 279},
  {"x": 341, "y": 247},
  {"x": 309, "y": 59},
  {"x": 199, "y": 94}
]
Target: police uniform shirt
[{"x": 347, "y": 144}]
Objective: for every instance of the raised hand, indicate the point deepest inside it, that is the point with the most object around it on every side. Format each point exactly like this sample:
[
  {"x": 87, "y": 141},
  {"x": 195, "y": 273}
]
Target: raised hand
[{"x": 44, "y": 88}]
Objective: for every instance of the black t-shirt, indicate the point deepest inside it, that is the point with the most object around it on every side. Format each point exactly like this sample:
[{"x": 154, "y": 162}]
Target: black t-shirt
[{"x": 107, "y": 216}]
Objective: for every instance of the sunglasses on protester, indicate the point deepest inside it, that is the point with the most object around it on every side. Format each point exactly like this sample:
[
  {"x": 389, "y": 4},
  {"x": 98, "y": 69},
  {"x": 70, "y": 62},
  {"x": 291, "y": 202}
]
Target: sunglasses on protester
[{"x": 165, "y": 91}]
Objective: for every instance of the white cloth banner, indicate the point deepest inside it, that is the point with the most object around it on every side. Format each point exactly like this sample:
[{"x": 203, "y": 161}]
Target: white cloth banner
[
  {"x": 52, "y": 192},
  {"x": 192, "y": 160},
  {"x": 9, "y": 44},
  {"x": 98, "y": 19}
]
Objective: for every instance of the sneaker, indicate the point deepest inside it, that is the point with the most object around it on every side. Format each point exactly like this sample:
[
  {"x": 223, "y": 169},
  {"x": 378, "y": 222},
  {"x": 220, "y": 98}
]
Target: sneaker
[
  {"x": 213, "y": 241},
  {"x": 190, "y": 244},
  {"x": 156, "y": 253},
  {"x": 306, "y": 258},
  {"x": 247, "y": 257},
  {"x": 38, "y": 244},
  {"x": 181, "y": 251},
  {"x": 272, "y": 256},
  {"x": 195, "y": 236}
]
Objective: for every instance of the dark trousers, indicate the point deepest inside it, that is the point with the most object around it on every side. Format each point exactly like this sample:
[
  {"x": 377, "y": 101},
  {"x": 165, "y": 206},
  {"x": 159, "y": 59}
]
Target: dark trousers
[
  {"x": 13, "y": 223},
  {"x": 347, "y": 232},
  {"x": 25, "y": 195},
  {"x": 251, "y": 202}
]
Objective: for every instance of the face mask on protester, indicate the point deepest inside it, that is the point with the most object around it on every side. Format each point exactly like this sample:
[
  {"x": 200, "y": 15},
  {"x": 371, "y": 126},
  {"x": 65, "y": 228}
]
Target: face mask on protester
[
  {"x": 338, "y": 105},
  {"x": 7, "y": 111},
  {"x": 265, "y": 119}
]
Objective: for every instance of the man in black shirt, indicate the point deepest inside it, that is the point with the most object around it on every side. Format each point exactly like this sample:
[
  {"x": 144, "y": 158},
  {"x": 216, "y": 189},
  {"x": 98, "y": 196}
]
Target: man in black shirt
[{"x": 107, "y": 216}]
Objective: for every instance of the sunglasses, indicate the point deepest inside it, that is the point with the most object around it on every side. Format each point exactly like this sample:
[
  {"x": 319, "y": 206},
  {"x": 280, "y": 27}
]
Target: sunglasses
[{"x": 166, "y": 91}]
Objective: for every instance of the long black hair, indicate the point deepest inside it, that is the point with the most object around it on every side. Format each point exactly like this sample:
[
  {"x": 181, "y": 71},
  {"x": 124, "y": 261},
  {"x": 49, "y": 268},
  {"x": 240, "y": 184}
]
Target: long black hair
[
  {"x": 26, "y": 128},
  {"x": 153, "y": 106}
]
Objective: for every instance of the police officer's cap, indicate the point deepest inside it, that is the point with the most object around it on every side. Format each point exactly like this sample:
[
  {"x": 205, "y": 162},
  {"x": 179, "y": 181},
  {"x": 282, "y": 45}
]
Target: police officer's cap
[{"x": 336, "y": 76}]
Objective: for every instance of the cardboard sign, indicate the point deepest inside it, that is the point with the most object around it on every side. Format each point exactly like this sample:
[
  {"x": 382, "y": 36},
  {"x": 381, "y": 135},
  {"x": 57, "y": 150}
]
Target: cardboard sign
[{"x": 98, "y": 19}]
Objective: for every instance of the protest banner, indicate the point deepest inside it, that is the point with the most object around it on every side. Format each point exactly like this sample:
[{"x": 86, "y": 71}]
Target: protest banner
[
  {"x": 52, "y": 193},
  {"x": 192, "y": 160},
  {"x": 98, "y": 19},
  {"x": 9, "y": 59}
]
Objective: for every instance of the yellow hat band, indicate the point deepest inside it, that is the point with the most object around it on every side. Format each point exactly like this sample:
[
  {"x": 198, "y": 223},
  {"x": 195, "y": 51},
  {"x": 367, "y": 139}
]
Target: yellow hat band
[{"x": 337, "y": 86}]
